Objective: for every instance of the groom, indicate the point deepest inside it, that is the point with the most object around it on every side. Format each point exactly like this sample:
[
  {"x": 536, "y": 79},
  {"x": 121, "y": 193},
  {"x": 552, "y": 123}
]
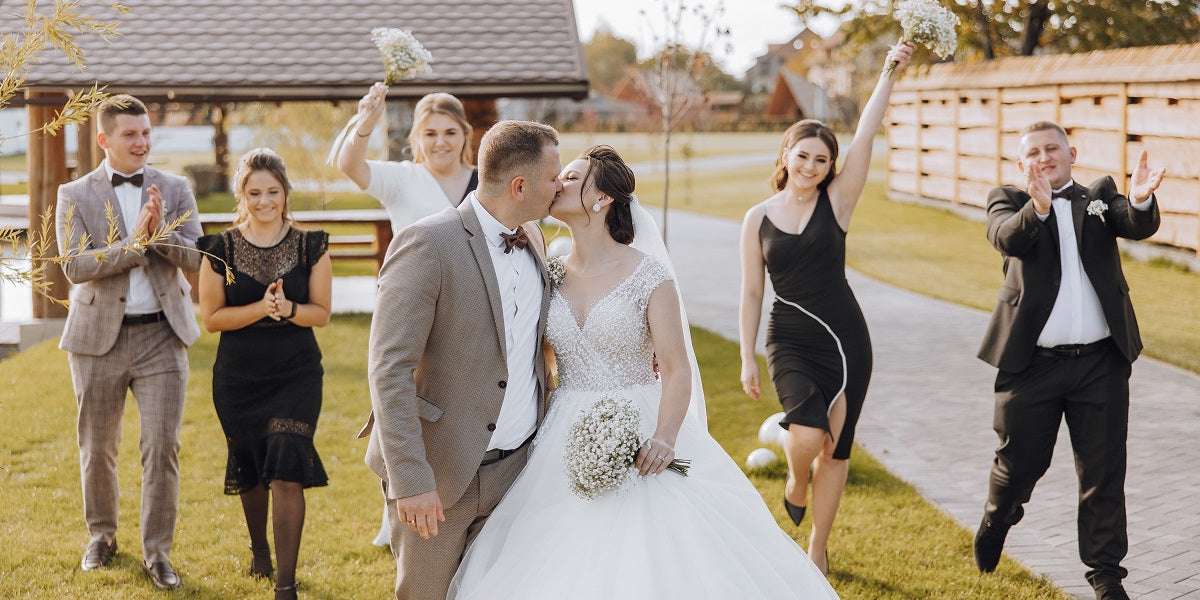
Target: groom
[
  {"x": 457, "y": 374},
  {"x": 1063, "y": 336}
]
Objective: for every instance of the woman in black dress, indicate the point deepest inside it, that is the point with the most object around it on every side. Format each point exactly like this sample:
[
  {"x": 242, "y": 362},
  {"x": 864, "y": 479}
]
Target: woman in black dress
[
  {"x": 818, "y": 349},
  {"x": 267, "y": 374}
]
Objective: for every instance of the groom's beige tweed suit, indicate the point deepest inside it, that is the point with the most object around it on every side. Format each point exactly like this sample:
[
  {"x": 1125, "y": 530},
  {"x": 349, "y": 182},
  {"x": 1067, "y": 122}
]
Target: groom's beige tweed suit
[{"x": 438, "y": 372}]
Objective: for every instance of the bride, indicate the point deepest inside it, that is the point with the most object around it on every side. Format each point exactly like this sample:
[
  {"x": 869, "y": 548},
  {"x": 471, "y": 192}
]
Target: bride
[{"x": 661, "y": 535}]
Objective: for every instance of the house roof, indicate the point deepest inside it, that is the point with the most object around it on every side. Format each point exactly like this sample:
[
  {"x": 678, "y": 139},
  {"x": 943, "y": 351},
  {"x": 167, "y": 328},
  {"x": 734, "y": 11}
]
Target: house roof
[
  {"x": 794, "y": 91},
  {"x": 321, "y": 49}
]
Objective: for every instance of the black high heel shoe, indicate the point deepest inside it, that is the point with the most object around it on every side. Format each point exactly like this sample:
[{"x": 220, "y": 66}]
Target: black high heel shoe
[{"x": 793, "y": 511}]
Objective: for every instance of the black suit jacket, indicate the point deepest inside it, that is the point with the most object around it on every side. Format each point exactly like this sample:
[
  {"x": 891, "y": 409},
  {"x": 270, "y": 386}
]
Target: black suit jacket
[{"x": 1032, "y": 268}]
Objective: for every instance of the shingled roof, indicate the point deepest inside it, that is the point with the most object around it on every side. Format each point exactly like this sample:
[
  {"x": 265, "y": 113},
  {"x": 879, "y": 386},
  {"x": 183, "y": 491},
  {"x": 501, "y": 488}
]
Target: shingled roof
[{"x": 321, "y": 49}]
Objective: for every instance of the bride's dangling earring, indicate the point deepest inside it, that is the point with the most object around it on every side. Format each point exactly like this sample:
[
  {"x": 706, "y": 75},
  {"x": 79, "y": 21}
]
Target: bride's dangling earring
[{"x": 596, "y": 206}]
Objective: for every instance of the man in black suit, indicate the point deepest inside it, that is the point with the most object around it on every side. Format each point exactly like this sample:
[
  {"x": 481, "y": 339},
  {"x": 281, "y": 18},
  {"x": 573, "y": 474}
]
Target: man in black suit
[{"x": 1063, "y": 336}]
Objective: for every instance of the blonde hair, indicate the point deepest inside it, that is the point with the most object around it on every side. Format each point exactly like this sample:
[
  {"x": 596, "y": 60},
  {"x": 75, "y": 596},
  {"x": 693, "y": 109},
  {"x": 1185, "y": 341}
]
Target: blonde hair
[
  {"x": 440, "y": 103},
  {"x": 260, "y": 159}
]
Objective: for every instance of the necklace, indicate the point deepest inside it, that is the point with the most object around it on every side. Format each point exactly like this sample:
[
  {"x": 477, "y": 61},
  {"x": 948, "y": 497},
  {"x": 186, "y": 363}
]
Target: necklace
[{"x": 275, "y": 239}]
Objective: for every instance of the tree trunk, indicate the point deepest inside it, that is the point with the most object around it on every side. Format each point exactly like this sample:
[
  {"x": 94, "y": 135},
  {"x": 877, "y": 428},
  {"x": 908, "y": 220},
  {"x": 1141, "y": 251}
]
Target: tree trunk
[
  {"x": 1035, "y": 23},
  {"x": 985, "y": 30}
]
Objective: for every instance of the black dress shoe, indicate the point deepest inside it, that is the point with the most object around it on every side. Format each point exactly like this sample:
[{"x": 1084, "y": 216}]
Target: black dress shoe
[
  {"x": 98, "y": 554},
  {"x": 1111, "y": 591},
  {"x": 161, "y": 574},
  {"x": 989, "y": 542},
  {"x": 793, "y": 511}
]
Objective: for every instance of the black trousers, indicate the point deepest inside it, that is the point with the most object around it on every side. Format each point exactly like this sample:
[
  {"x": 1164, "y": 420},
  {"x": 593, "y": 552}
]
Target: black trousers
[{"x": 1092, "y": 392}]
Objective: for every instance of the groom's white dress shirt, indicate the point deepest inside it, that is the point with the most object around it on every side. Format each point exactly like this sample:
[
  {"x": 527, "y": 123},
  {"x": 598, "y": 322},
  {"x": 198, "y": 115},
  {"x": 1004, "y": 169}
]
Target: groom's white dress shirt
[
  {"x": 521, "y": 297},
  {"x": 141, "y": 297}
]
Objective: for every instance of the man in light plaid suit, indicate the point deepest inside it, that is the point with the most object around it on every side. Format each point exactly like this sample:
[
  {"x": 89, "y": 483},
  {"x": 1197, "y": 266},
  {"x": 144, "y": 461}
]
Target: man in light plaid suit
[
  {"x": 128, "y": 328},
  {"x": 457, "y": 373}
]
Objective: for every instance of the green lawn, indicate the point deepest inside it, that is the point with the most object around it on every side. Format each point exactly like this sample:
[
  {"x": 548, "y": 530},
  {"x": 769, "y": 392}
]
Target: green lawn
[{"x": 889, "y": 543}]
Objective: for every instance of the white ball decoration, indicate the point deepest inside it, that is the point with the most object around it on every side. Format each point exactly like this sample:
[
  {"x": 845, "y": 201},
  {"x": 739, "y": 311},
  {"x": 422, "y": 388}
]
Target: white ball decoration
[
  {"x": 768, "y": 432},
  {"x": 760, "y": 458},
  {"x": 559, "y": 246}
]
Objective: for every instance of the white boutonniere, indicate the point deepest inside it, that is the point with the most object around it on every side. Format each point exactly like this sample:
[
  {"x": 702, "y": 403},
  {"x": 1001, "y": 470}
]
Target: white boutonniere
[
  {"x": 556, "y": 270},
  {"x": 1096, "y": 208}
]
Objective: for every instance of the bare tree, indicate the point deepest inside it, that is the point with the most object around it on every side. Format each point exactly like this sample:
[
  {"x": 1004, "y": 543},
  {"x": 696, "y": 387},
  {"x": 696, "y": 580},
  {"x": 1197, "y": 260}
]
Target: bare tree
[{"x": 673, "y": 77}]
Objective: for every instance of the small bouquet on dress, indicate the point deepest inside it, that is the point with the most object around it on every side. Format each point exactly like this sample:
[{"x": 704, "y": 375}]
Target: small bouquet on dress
[
  {"x": 403, "y": 58},
  {"x": 602, "y": 447},
  {"x": 928, "y": 23}
]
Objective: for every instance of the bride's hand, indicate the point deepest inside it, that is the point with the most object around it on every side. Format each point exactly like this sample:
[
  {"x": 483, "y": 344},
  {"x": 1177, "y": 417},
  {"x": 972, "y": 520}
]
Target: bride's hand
[
  {"x": 750, "y": 375},
  {"x": 654, "y": 457}
]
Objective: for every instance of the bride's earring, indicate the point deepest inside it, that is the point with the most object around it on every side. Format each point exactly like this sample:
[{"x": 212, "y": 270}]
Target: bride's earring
[{"x": 596, "y": 207}]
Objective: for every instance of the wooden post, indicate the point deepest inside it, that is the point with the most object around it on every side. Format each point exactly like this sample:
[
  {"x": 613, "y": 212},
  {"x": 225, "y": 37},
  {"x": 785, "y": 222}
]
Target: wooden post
[
  {"x": 482, "y": 114},
  {"x": 220, "y": 121},
  {"x": 957, "y": 100},
  {"x": 1124, "y": 134},
  {"x": 920, "y": 121},
  {"x": 47, "y": 163},
  {"x": 999, "y": 136}
]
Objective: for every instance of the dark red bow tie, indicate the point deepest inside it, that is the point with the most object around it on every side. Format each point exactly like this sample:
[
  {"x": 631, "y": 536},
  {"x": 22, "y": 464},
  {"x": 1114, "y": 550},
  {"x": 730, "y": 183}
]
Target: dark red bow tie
[
  {"x": 516, "y": 240},
  {"x": 136, "y": 180}
]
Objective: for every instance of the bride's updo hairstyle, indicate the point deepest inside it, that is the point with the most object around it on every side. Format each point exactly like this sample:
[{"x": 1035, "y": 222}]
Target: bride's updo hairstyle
[
  {"x": 802, "y": 130},
  {"x": 613, "y": 178}
]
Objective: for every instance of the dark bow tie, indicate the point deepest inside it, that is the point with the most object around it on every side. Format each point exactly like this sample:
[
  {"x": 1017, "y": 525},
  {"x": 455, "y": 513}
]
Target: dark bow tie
[
  {"x": 1066, "y": 192},
  {"x": 516, "y": 240},
  {"x": 136, "y": 180}
]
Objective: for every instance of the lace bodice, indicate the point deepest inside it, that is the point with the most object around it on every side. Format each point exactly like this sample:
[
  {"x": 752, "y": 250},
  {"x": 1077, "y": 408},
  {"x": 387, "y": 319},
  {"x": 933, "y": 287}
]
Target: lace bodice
[{"x": 612, "y": 349}]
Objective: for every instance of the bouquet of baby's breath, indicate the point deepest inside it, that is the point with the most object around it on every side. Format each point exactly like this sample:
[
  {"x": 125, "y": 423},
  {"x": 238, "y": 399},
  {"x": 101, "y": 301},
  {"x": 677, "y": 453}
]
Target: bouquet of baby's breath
[
  {"x": 602, "y": 447},
  {"x": 403, "y": 55},
  {"x": 928, "y": 23}
]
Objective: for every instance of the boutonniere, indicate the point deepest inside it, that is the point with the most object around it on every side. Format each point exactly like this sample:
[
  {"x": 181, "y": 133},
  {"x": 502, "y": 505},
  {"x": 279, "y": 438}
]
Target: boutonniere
[
  {"x": 1096, "y": 208},
  {"x": 556, "y": 270}
]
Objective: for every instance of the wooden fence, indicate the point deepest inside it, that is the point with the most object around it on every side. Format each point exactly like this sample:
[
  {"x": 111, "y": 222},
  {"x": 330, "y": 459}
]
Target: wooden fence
[{"x": 953, "y": 129}]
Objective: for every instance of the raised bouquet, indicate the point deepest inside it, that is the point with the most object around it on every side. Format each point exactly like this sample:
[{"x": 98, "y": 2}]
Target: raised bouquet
[
  {"x": 602, "y": 447},
  {"x": 403, "y": 58},
  {"x": 929, "y": 24}
]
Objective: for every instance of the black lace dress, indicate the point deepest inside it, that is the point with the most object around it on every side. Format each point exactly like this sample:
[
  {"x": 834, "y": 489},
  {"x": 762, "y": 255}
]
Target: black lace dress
[{"x": 267, "y": 376}]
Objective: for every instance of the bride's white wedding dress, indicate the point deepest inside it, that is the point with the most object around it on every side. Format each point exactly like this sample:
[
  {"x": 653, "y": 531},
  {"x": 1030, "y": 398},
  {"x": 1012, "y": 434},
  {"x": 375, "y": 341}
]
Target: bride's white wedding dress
[{"x": 665, "y": 537}]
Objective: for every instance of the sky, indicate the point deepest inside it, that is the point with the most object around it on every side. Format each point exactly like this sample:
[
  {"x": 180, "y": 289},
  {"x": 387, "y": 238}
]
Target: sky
[{"x": 753, "y": 24}]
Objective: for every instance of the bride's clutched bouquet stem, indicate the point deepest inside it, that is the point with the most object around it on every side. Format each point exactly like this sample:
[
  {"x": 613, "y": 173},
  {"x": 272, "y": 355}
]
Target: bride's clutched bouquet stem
[{"x": 602, "y": 447}]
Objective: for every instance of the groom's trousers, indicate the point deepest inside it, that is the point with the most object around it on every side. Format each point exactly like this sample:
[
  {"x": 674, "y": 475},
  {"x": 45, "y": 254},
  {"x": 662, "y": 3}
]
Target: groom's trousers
[
  {"x": 1092, "y": 392},
  {"x": 424, "y": 568}
]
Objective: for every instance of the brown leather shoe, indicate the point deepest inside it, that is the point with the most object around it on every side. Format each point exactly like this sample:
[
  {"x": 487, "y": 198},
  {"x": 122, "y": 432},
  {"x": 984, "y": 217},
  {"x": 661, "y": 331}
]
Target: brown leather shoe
[
  {"x": 161, "y": 574},
  {"x": 98, "y": 554}
]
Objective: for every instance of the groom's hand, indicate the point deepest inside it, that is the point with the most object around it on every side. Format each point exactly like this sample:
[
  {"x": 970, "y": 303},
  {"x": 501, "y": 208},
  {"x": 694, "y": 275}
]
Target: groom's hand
[{"x": 421, "y": 513}]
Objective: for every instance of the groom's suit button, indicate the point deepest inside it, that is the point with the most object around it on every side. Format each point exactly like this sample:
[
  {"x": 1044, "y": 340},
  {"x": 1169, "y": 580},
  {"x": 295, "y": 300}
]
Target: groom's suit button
[
  {"x": 491, "y": 426},
  {"x": 503, "y": 384}
]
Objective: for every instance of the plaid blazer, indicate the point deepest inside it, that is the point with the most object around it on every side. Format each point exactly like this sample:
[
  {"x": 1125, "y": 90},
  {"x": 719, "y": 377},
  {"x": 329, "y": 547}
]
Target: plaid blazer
[
  {"x": 437, "y": 364},
  {"x": 101, "y": 282}
]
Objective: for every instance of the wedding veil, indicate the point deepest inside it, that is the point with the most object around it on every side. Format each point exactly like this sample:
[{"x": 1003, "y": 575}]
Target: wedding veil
[{"x": 648, "y": 239}]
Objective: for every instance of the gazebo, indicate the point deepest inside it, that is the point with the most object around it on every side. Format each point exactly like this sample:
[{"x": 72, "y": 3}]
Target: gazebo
[{"x": 221, "y": 52}]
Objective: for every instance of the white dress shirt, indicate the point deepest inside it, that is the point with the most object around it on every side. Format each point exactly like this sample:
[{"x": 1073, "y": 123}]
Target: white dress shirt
[
  {"x": 1077, "y": 317},
  {"x": 521, "y": 298},
  {"x": 140, "y": 299}
]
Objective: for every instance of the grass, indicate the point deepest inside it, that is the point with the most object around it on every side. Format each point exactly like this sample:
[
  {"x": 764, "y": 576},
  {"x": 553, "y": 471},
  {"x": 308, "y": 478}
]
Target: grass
[
  {"x": 889, "y": 542},
  {"x": 940, "y": 254}
]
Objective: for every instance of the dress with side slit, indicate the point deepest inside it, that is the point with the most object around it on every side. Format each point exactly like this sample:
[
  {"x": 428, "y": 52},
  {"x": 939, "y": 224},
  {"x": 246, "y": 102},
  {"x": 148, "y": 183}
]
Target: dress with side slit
[{"x": 817, "y": 340}]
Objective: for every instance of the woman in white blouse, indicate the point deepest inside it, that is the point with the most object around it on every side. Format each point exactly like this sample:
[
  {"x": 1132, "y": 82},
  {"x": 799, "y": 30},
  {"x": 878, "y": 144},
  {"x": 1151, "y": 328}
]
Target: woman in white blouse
[{"x": 440, "y": 174}]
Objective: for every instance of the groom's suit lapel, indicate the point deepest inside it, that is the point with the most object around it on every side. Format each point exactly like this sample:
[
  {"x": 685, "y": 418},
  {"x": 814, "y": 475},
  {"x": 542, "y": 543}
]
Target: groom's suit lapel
[
  {"x": 1079, "y": 202},
  {"x": 483, "y": 257}
]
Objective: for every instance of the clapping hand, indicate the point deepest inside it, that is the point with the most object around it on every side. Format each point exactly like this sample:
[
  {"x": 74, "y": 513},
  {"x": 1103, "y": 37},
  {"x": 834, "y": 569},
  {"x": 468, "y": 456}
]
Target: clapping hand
[
  {"x": 281, "y": 302},
  {"x": 150, "y": 217},
  {"x": 270, "y": 302},
  {"x": 1038, "y": 187},
  {"x": 1144, "y": 180}
]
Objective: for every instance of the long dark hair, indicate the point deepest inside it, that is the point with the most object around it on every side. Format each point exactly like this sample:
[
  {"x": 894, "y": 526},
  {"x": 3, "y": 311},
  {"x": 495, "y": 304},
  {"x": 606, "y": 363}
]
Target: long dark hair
[
  {"x": 614, "y": 179},
  {"x": 801, "y": 130}
]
